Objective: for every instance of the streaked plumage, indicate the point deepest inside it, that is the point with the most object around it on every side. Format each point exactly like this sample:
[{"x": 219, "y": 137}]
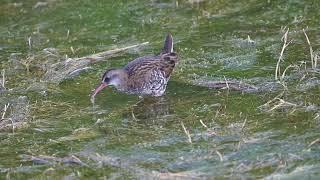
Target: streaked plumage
[{"x": 146, "y": 75}]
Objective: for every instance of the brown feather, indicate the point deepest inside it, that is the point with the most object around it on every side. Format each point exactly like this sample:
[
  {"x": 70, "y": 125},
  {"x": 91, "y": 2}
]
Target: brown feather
[{"x": 146, "y": 75}]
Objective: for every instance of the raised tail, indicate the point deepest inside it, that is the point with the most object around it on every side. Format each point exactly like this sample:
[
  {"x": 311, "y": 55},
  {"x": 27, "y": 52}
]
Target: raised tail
[
  {"x": 169, "y": 58},
  {"x": 168, "y": 45}
]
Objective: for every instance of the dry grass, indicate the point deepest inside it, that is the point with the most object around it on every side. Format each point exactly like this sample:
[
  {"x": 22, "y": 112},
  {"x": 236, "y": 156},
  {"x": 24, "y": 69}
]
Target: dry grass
[
  {"x": 29, "y": 42},
  {"x": 284, "y": 46},
  {"x": 220, "y": 155},
  {"x": 285, "y": 70},
  {"x": 276, "y": 103},
  {"x": 6, "y": 106},
  {"x": 227, "y": 84},
  {"x": 244, "y": 123},
  {"x": 250, "y": 40},
  {"x": 18, "y": 115},
  {"x": 68, "y": 33},
  {"x": 186, "y": 132},
  {"x": 204, "y": 125},
  {"x": 44, "y": 159},
  {"x": 281, "y": 103},
  {"x": 3, "y": 80},
  {"x": 60, "y": 71},
  {"x": 313, "y": 56},
  {"x": 270, "y": 101},
  {"x": 314, "y": 142},
  {"x": 27, "y": 62}
]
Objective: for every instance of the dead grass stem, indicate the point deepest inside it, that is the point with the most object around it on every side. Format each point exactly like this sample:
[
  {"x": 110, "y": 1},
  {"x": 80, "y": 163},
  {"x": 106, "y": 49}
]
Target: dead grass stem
[
  {"x": 29, "y": 42},
  {"x": 276, "y": 103},
  {"x": 204, "y": 125},
  {"x": 186, "y": 132},
  {"x": 313, "y": 56},
  {"x": 68, "y": 33},
  {"x": 104, "y": 54},
  {"x": 285, "y": 70},
  {"x": 314, "y": 142},
  {"x": 281, "y": 103},
  {"x": 220, "y": 155},
  {"x": 244, "y": 123},
  {"x": 227, "y": 84},
  {"x": 284, "y": 46},
  {"x": 3, "y": 81},
  {"x": 6, "y": 106},
  {"x": 272, "y": 100}
]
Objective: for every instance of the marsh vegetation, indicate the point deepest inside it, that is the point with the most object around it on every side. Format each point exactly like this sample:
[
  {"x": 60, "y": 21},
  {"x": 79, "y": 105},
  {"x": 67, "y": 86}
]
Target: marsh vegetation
[{"x": 243, "y": 102}]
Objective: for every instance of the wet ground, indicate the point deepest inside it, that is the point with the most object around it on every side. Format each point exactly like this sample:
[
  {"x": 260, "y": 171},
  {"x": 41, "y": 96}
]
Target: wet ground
[{"x": 268, "y": 128}]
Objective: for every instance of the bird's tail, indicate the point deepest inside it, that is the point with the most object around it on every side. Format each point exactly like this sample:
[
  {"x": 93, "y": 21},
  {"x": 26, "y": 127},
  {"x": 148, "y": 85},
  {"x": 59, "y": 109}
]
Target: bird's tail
[
  {"x": 169, "y": 58},
  {"x": 168, "y": 45}
]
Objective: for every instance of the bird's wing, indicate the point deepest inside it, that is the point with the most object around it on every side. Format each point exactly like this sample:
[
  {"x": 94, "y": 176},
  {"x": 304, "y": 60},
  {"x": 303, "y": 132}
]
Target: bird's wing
[
  {"x": 144, "y": 62},
  {"x": 141, "y": 70}
]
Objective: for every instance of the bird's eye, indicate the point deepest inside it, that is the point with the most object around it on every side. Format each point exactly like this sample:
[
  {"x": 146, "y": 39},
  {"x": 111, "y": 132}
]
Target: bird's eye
[{"x": 106, "y": 79}]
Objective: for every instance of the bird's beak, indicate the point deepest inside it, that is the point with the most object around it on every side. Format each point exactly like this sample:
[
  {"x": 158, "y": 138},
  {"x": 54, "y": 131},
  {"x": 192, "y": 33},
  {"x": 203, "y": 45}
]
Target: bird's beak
[{"x": 97, "y": 90}]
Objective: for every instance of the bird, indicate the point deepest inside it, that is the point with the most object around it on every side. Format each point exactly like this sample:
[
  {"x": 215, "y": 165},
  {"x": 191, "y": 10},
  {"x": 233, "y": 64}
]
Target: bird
[{"x": 144, "y": 76}]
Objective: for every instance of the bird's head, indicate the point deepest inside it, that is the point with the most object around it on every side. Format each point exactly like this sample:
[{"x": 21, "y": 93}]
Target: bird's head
[{"x": 112, "y": 77}]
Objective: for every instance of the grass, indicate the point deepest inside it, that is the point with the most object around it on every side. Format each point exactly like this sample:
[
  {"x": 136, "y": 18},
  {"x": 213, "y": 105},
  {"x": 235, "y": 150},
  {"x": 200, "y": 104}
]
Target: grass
[
  {"x": 280, "y": 59},
  {"x": 220, "y": 155},
  {"x": 278, "y": 102},
  {"x": 186, "y": 132},
  {"x": 313, "y": 56},
  {"x": 6, "y": 106},
  {"x": 314, "y": 142},
  {"x": 3, "y": 81}
]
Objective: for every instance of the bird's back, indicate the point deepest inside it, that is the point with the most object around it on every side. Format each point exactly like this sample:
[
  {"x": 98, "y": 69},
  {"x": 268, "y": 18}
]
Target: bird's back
[{"x": 150, "y": 74}]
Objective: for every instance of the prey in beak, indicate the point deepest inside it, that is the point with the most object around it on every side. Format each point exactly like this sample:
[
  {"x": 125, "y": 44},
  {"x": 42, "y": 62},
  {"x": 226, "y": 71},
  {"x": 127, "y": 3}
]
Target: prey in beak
[
  {"x": 97, "y": 90},
  {"x": 112, "y": 77}
]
